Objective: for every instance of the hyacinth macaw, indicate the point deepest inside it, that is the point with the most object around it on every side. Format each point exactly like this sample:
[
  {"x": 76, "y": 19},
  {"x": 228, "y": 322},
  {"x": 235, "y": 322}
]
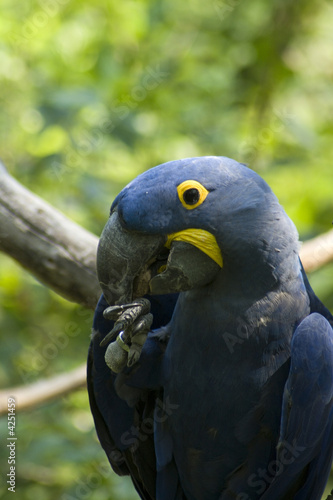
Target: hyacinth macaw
[{"x": 210, "y": 370}]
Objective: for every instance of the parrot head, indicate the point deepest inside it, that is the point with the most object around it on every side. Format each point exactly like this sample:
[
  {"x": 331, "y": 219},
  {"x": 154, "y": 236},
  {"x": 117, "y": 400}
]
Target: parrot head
[{"x": 180, "y": 225}]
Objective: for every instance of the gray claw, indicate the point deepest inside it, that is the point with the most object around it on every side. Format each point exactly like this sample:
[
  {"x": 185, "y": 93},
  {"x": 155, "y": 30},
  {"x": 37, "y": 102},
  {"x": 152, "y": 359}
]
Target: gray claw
[
  {"x": 113, "y": 312},
  {"x": 142, "y": 325},
  {"x": 138, "y": 338},
  {"x": 125, "y": 316},
  {"x": 130, "y": 329}
]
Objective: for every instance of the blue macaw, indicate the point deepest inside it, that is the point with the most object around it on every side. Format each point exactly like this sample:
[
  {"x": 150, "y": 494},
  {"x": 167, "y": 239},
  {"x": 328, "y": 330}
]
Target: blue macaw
[{"x": 210, "y": 370}]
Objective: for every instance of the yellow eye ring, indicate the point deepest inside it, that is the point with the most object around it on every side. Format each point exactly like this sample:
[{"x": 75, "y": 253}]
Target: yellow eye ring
[{"x": 191, "y": 194}]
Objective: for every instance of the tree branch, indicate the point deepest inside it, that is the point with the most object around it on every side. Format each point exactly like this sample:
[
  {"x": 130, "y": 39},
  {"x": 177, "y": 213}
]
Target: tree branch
[
  {"x": 317, "y": 252},
  {"x": 29, "y": 396},
  {"x": 62, "y": 255},
  {"x": 58, "y": 252}
]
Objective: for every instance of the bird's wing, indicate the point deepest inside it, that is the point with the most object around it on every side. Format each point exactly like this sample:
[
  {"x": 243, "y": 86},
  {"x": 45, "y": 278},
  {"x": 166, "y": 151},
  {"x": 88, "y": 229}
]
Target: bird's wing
[
  {"x": 304, "y": 451},
  {"x": 125, "y": 433}
]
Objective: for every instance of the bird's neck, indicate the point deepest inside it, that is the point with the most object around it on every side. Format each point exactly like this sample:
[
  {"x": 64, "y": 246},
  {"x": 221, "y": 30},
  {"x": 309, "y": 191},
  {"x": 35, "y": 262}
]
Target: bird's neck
[{"x": 257, "y": 302}]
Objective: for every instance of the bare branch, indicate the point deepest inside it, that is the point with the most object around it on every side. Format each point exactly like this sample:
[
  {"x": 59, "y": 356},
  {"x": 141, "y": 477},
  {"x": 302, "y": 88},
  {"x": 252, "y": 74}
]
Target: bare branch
[
  {"x": 317, "y": 252},
  {"x": 58, "y": 252},
  {"x": 27, "y": 397}
]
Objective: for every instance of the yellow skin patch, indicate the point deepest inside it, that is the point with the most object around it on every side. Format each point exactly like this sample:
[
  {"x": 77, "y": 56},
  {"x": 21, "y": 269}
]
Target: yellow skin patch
[
  {"x": 187, "y": 185},
  {"x": 205, "y": 241}
]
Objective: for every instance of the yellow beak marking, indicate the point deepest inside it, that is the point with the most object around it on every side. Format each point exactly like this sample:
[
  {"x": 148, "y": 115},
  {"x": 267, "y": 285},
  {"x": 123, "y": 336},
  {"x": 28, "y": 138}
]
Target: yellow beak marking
[{"x": 205, "y": 241}]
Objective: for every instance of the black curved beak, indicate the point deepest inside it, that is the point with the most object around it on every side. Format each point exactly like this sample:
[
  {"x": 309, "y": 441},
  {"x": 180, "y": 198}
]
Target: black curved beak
[
  {"x": 122, "y": 256},
  {"x": 132, "y": 264}
]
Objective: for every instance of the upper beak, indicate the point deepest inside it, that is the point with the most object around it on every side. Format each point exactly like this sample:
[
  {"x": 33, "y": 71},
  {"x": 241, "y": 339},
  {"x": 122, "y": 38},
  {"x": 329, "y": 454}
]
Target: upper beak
[
  {"x": 121, "y": 257},
  {"x": 130, "y": 264}
]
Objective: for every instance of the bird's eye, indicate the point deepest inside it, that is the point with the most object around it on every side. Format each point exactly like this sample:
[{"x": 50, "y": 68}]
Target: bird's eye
[{"x": 191, "y": 194}]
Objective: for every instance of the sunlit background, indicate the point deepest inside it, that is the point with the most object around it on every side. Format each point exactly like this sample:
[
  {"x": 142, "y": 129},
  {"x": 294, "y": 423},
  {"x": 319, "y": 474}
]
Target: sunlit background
[{"x": 92, "y": 94}]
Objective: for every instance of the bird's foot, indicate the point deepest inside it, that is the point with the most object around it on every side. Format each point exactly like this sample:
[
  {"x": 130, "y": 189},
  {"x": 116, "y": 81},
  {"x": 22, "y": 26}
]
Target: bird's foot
[{"x": 132, "y": 324}]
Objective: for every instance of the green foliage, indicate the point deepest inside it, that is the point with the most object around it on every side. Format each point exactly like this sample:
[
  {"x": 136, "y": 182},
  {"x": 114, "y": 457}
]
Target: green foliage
[{"x": 92, "y": 94}]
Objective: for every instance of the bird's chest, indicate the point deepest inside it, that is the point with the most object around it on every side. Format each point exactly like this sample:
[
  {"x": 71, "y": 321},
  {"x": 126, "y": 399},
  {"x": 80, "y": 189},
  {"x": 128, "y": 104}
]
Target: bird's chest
[
  {"x": 210, "y": 390},
  {"x": 215, "y": 374},
  {"x": 216, "y": 365},
  {"x": 217, "y": 347}
]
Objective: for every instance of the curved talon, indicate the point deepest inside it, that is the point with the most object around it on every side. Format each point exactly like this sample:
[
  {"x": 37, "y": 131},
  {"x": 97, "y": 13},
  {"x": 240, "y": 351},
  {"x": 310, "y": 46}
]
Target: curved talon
[
  {"x": 113, "y": 312},
  {"x": 138, "y": 338},
  {"x": 143, "y": 325},
  {"x": 122, "y": 343},
  {"x": 109, "y": 337},
  {"x": 134, "y": 355}
]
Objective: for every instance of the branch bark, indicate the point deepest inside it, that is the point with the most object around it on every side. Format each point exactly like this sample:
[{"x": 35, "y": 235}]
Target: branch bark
[
  {"x": 317, "y": 252},
  {"x": 56, "y": 250},
  {"x": 62, "y": 255},
  {"x": 29, "y": 396}
]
